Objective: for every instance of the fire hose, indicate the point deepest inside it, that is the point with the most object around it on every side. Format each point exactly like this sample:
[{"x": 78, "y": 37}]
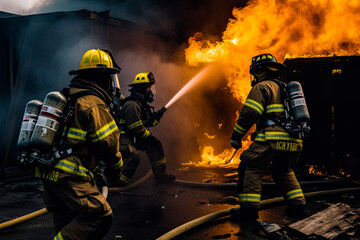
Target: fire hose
[
  {"x": 224, "y": 213},
  {"x": 105, "y": 192},
  {"x": 233, "y": 186}
]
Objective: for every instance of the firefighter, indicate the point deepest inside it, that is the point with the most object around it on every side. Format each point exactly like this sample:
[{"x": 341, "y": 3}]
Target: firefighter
[
  {"x": 137, "y": 116},
  {"x": 79, "y": 209},
  {"x": 271, "y": 143}
]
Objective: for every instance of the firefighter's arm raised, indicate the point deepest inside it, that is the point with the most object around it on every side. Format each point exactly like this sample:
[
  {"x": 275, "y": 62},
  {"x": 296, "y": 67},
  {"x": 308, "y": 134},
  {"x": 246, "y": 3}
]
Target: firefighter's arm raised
[
  {"x": 158, "y": 115},
  {"x": 132, "y": 117}
]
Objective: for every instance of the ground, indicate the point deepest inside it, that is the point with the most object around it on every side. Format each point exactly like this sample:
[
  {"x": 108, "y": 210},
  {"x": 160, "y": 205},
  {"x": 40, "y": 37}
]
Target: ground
[{"x": 151, "y": 210}]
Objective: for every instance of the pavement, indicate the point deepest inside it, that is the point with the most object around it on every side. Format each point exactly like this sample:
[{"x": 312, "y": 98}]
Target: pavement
[{"x": 151, "y": 210}]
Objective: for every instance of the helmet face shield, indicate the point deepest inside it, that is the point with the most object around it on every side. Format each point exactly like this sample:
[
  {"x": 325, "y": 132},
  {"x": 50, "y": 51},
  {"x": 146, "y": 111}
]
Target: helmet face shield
[
  {"x": 115, "y": 83},
  {"x": 153, "y": 89}
]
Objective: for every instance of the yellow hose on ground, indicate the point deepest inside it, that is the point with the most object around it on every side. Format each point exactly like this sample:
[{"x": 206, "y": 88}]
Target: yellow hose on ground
[
  {"x": 105, "y": 191},
  {"x": 23, "y": 218},
  {"x": 223, "y": 213}
]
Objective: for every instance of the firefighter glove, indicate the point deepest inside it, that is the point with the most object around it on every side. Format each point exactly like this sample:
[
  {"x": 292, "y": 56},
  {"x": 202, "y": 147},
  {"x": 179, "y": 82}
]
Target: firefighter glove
[
  {"x": 158, "y": 115},
  {"x": 235, "y": 144}
]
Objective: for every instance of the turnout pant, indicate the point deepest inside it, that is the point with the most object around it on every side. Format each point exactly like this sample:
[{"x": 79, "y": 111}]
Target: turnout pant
[
  {"x": 131, "y": 158},
  {"x": 79, "y": 210},
  {"x": 254, "y": 162}
]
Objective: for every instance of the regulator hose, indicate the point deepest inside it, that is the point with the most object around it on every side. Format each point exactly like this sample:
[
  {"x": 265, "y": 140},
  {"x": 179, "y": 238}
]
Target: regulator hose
[
  {"x": 223, "y": 213},
  {"x": 233, "y": 185}
]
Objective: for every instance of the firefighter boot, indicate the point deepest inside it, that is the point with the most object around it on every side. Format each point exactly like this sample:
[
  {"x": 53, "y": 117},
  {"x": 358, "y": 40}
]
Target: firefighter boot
[
  {"x": 295, "y": 211},
  {"x": 244, "y": 214},
  {"x": 246, "y": 217},
  {"x": 161, "y": 176},
  {"x": 165, "y": 178}
]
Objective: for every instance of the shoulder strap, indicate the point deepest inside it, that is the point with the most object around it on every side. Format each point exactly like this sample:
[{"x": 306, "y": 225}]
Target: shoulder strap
[{"x": 285, "y": 95}]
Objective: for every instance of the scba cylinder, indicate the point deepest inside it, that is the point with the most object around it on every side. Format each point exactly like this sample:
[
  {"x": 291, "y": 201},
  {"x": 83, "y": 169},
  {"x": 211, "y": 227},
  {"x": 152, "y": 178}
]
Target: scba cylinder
[
  {"x": 297, "y": 102},
  {"x": 48, "y": 122},
  {"x": 31, "y": 114}
]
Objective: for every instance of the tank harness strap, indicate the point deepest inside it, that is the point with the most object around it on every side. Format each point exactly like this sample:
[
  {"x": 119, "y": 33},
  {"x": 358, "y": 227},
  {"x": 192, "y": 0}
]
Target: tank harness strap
[{"x": 60, "y": 151}]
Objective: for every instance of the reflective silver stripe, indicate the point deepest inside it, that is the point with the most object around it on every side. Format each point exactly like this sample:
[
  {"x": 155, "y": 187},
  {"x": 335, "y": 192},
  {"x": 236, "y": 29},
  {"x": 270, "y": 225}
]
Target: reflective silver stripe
[
  {"x": 275, "y": 108},
  {"x": 249, "y": 197},
  {"x": 297, "y": 193},
  {"x": 254, "y": 105},
  {"x": 72, "y": 168},
  {"x": 104, "y": 131},
  {"x": 239, "y": 129}
]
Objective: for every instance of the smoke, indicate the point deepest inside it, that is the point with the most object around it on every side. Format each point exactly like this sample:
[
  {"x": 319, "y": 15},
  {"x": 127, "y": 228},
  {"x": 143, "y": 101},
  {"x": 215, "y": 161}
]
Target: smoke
[
  {"x": 23, "y": 7},
  {"x": 177, "y": 130},
  {"x": 55, "y": 46}
]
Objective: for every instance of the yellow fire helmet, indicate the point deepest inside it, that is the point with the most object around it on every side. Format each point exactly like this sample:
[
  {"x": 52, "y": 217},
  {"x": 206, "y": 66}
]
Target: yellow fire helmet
[
  {"x": 97, "y": 59},
  {"x": 144, "y": 77}
]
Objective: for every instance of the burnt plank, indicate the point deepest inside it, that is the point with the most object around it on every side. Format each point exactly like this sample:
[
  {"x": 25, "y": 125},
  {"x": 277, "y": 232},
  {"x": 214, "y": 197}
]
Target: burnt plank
[{"x": 330, "y": 223}]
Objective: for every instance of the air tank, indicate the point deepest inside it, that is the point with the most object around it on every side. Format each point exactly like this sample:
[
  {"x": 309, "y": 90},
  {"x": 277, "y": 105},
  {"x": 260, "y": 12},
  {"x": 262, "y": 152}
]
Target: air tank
[
  {"x": 297, "y": 102},
  {"x": 31, "y": 114},
  {"x": 48, "y": 122}
]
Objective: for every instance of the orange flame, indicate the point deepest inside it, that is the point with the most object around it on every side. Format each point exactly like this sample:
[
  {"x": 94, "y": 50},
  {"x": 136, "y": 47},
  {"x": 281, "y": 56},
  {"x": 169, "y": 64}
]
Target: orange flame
[
  {"x": 209, "y": 136},
  {"x": 286, "y": 29}
]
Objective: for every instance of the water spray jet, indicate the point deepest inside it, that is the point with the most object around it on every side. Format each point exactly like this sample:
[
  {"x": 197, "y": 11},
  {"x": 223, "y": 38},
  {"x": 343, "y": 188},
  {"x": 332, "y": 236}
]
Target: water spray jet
[{"x": 195, "y": 80}]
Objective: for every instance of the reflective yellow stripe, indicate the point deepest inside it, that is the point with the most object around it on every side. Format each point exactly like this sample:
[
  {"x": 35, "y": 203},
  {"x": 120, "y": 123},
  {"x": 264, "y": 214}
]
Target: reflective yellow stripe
[
  {"x": 158, "y": 163},
  {"x": 146, "y": 134},
  {"x": 135, "y": 124},
  {"x": 260, "y": 137},
  {"x": 118, "y": 165},
  {"x": 284, "y": 136},
  {"x": 76, "y": 133},
  {"x": 121, "y": 121},
  {"x": 249, "y": 197},
  {"x": 59, "y": 236},
  {"x": 156, "y": 122},
  {"x": 125, "y": 179},
  {"x": 275, "y": 108},
  {"x": 239, "y": 129},
  {"x": 274, "y": 135},
  {"x": 297, "y": 193},
  {"x": 104, "y": 131},
  {"x": 254, "y": 105},
  {"x": 72, "y": 168}
]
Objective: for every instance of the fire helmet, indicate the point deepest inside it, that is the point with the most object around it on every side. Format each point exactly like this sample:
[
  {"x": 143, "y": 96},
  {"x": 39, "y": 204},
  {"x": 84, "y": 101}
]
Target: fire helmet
[
  {"x": 144, "y": 77},
  {"x": 103, "y": 60},
  {"x": 266, "y": 62},
  {"x": 144, "y": 83},
  {"x": 97, "y": 59}
]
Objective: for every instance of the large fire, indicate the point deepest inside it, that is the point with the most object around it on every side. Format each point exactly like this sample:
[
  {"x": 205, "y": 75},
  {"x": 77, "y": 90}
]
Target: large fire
[{"x": 284, "y": 28}]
